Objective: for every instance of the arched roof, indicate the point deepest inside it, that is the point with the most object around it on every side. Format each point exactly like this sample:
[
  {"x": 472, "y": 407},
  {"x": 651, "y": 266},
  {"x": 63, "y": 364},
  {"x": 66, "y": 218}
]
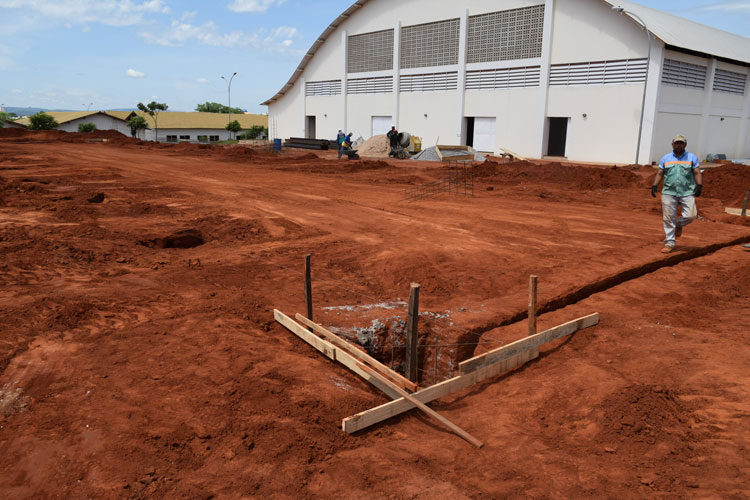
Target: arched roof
[
  {"x": 672, "y": 30},
  {"x": 315, "y": 46}
]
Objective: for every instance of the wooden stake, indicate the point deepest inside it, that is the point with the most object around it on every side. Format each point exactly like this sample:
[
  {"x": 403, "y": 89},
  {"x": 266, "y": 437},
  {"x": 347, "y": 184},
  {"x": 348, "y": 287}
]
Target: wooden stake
[
  {"x": 532, "y": 305},
  {"x": 744, "y": 204},
  {"x": 308, "y": 289},
  {"x": 412, "y": 338},
  {"x": 436, "y": 358}
]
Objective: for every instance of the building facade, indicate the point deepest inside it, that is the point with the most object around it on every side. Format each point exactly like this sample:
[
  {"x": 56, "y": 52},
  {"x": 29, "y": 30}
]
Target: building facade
[
  {"x": 174, "y": 126},
  {"x": 565, "y": 78}
]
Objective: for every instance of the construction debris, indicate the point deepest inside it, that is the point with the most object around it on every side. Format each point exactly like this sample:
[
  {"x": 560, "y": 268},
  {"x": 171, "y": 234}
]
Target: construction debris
[{"x": 431, "y": 154}]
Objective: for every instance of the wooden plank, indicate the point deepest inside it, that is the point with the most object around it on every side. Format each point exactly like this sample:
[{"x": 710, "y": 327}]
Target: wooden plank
[
  {"x": 334, "y": 339},
  {"x": 511, "y": 153},
  {"x": 744, "y": 204},
  {"x": 429, "y": 411},
  {"x": 391, "y": 409},
  {"x": 325, "y": 347},
  {"x": 337, "y": 354},
  {"x": 527, "y": 343},
  {"x": 733, "y": 211},
  {"x": 412, "y": 333}
]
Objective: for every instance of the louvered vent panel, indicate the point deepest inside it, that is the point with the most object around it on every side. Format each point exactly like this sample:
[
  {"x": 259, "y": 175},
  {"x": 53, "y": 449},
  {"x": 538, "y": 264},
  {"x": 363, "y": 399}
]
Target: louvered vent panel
[
  {"x": 429, "y": 82},
  {"x": 370, "y": 52},
  {"x": 682, "y": 74},
  {"x": 729, "y": 82},
  {"x": 379, "y": 85},
  {"x": 506, "y": 35},
  {"x": 506, "y": 78},
  {"x": 431, "y": 44},
  {"x": 598, "y": 73},
  {"x": 324, "y": 88}
]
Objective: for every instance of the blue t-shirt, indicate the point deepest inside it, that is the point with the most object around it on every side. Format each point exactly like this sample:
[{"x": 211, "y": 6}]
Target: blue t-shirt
[{"x": 679, "y": 179}]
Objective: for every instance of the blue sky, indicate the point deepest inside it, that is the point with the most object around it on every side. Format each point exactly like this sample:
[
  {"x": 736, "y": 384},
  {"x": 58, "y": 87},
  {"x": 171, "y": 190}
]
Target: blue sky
[{"x": 72, "y": 54}]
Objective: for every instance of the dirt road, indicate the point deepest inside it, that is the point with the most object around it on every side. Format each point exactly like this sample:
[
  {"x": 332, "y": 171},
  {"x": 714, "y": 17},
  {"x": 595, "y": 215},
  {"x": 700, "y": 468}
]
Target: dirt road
[{"x": 131, "y": 369}]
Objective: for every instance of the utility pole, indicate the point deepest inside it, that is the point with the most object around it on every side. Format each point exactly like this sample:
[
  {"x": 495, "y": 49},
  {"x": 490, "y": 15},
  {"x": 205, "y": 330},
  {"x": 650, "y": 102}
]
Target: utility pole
[{"x": 229, "y": 95}]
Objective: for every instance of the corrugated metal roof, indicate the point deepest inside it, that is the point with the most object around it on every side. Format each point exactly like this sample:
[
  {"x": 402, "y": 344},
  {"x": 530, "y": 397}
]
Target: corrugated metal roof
[
  {"x": 686, "y": 34},
  {"x": 68, "y": 116},
  {"x": 198, "y": 120},
  {"x": 167, "y": 119},
  {"x": 672, "y": 30}
]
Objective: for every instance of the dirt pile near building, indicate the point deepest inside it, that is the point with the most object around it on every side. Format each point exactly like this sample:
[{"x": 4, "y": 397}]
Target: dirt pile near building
[
  {"x": 579, "y": 177},
  {"x": 728, "y": 183},
  {"x": 375, "y": 147}
]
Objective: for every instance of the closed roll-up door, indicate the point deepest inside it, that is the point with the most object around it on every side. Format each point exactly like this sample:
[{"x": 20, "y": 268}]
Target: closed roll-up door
[{"x": 484, "y": 134}]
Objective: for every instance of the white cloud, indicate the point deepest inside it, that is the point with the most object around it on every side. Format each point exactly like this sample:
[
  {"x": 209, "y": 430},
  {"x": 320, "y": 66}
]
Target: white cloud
[
  {"x": 253, "y": 5},
  {"x": 729, "y": 6},
  {"x": 202, "y": 81},
  {"x": 179, "y": 33},
  {"x": 16, "y": 91},
  {"x": 134, "y": 74},
  {"x": 109, "y": 12}
]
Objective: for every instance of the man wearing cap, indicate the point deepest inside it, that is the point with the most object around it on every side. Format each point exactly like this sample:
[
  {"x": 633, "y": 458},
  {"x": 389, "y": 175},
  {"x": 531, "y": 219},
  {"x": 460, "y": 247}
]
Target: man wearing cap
[{"x": 683, "y": 182}]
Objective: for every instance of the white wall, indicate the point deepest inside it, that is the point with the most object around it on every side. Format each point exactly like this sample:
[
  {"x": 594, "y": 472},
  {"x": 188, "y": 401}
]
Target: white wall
[
  {"x": 150, "y": 135},
  {"x": 609, "y": 133},
  {"x": 586, "y": 30},
  {"x": 682, "y": 110},
  {"x": 670, "y": 124},
  {"x": 102, "y": 122},
  {"x": 362, "y": 108},
  {"x": 515, "y": 126},
  {"x": 328, "y": 115},
  {"x": 440, "y": 108},
  {"x": 287, "y": 114}
]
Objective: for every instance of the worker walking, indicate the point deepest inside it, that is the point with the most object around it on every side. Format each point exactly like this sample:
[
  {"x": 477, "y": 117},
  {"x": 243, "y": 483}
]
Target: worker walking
[
  {"x": 683, "y": 182},
  {"x": 340, "y": 139}
]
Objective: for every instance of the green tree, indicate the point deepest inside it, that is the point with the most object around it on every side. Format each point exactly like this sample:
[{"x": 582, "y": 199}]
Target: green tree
[
  {"x": 86, "y": 127},
  {"x": 3, "y": 118},
  {"x": 138, "y": 122},
  {"x": 215, "y": 107},
  {"x": 42, "y": 121},
  {"x": 257, "y": 132},
  {"x": 234, "y": 126},
  {"x": 153, "y": 108}
]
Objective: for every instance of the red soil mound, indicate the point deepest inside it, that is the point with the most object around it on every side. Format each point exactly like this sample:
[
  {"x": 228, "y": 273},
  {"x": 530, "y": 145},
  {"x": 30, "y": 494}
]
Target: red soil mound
[
  {"x": 583, "y": 178},
  {"x": 728, "y": 183}
]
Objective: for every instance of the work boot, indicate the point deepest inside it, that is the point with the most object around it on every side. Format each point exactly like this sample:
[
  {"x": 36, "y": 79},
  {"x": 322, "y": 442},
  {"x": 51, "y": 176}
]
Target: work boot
[
  {"x": 678, "y": 231},
  {"x": 667, "y": 249}
]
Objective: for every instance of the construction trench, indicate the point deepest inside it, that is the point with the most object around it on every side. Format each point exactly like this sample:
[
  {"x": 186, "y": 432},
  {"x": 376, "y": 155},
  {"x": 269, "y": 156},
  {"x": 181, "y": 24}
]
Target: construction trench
[{"x": 140, "y": 357}]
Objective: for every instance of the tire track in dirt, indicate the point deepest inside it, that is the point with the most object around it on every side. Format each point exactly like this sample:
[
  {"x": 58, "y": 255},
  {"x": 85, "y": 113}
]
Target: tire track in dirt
[{"x": 473, "y": 335}]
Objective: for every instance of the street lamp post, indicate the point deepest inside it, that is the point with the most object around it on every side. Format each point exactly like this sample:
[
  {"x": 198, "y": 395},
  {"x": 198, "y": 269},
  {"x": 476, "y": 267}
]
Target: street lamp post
[
  {"x": 621, "y": 10},
  {"x": 229, "y": 95}
]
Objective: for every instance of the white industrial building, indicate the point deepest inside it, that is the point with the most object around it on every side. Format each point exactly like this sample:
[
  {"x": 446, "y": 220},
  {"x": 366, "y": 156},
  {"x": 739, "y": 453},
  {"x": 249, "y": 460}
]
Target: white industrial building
[
  {"x": 174, "y": 126},
  {"x": 539, "y": 77},
  {"x": 70, "y": 120}
]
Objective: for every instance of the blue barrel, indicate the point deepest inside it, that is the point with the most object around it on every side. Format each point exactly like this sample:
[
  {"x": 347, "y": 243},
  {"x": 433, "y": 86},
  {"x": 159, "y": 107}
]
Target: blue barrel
[{"x": 277, "y": 144}]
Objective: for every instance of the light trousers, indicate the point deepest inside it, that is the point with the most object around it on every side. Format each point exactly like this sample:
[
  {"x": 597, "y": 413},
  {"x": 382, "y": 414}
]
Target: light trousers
[{"x": 669, "y": 210}]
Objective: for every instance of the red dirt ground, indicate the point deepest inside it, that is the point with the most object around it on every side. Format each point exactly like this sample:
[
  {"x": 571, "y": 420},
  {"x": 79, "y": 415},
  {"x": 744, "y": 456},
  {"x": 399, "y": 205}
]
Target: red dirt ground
[{"x": 133, "y": 368}]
